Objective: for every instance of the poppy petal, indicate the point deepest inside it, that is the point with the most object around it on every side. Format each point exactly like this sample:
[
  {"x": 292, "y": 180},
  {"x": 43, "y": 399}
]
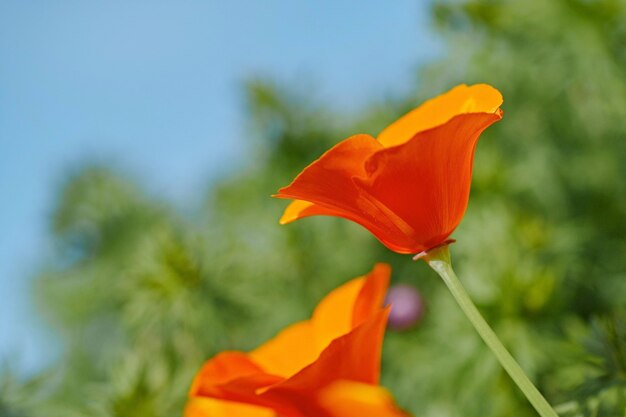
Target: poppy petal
[
  {"x": 462, "y": 99},
  {"x": 300, "y": 344},
  {"x": 288, "y": 352},
  {"x": 352, "y": 399},
  {"x": 329, "y": 178},
  {"x": 332, "y": 317},
  {"x": 227, "y": 369},
  {"x": 329, "y": 183},
  {"x": 426, "y": 181},
  {"x": 355, "y": 357},
  {"x": 372, "y": 295},
  {"x": 209, "y": 407},
  {"x": 299, "y": 209}
]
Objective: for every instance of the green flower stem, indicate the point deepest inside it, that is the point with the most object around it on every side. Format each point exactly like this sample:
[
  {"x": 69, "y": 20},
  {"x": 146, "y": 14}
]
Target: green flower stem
[{"x": 439, "y": 260}]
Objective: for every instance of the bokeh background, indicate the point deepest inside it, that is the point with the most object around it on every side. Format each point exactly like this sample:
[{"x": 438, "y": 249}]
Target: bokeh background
[{"x": 140, "y": 141}]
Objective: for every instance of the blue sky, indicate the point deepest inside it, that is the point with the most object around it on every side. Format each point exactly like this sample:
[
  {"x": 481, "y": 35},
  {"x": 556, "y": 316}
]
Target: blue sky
[{"x": 155, "y": 87}]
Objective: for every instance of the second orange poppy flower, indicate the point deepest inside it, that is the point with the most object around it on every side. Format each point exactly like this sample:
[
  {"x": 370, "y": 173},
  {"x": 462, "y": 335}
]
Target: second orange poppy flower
[{"x": 328, "y": 366}]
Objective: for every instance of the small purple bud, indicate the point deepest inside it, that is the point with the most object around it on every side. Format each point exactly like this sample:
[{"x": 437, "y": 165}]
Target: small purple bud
[{"x": 407, "y": 307}]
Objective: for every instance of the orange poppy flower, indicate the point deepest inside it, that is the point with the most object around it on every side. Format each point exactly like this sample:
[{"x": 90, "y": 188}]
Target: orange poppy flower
[
  {"x": 297, "y": 373},
  {"x": 410, "y": 187}
]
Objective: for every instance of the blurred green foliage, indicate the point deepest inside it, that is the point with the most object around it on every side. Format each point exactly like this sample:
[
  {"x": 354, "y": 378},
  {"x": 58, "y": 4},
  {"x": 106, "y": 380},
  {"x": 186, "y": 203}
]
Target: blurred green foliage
[{"x": 140, "y": 294}]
